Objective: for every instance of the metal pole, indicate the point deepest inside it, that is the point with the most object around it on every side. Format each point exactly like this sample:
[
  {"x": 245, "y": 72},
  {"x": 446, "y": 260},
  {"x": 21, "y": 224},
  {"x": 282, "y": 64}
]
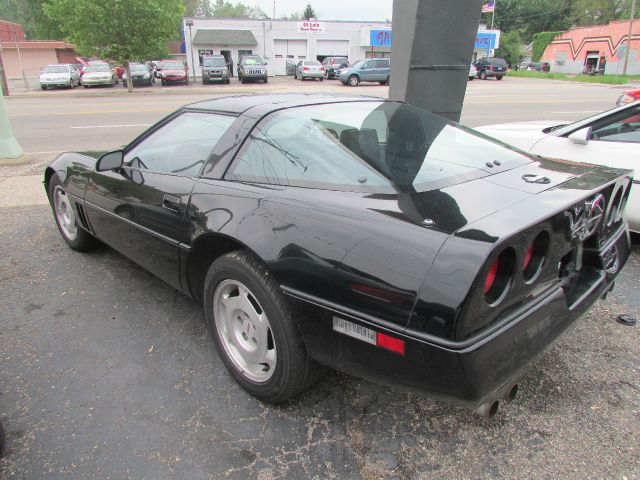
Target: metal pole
[
  {"x": 626, "y": 54},
  {"x": 274, "y": 10},
  {"x": 493, "y": 16},
  {"x": 9, "y": 147},
  {"x": 3, "y": 77},
  {"x": 193, "y": 62},
  {"x": 26, "y": 85}
]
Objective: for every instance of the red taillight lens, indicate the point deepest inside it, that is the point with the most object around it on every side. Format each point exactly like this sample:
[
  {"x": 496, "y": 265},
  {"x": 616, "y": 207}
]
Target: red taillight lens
[
  {"x": 491, "y": 275},
  {"x": 305, "y": 68},
  {"x": 527, "y": 257},
  {"x": 390, "y": 343},
  {"x": 322, "y": 68},
  {"x": 491, "y": 68}
]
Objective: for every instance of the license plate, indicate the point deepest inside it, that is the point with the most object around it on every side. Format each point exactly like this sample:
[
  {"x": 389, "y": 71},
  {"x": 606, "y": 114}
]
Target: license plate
[{"x": 354, "y": 330}]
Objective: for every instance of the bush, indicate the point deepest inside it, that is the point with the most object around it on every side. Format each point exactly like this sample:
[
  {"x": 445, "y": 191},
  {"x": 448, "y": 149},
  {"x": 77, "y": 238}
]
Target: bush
[{"x": 540, "y": 42}]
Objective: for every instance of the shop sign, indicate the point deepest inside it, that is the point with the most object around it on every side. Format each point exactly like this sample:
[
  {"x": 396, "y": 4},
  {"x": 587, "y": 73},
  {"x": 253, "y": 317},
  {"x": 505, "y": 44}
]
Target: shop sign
[
  {"x": 380, "y": 38},
  {"x": 485, "y": 40},
  {"x": 310, "y": 27}
]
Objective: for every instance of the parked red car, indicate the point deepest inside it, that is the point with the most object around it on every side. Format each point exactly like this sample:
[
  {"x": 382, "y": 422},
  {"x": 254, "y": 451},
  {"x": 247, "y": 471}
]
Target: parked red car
[
  {"x": 172, "y": 71},
  {"x": 628, "y": 97},
  {"x": 119, "y": 71}
]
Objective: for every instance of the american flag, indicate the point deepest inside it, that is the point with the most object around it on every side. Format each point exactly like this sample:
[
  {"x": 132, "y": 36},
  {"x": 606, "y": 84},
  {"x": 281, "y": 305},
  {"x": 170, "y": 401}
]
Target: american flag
[{"x": 489, "y": 7}]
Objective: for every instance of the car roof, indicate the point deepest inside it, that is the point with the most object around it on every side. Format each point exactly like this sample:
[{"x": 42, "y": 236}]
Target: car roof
[{"x": 265, "y": 103}]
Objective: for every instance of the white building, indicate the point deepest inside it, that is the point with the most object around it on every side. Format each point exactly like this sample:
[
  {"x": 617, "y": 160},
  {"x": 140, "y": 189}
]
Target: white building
[{"x": 282, "y": 41}]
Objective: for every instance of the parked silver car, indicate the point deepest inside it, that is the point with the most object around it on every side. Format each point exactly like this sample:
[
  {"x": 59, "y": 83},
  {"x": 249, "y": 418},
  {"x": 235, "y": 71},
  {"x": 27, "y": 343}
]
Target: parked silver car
[
  {"x": 309, "y": 69},
  {"x": 59, "y": 75}
]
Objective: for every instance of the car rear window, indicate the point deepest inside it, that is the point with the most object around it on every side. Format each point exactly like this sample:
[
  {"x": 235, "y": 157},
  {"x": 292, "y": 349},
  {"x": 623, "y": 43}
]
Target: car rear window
[
  {"x": 498, "y": 62},
  {"x": 367, "y": 146}
]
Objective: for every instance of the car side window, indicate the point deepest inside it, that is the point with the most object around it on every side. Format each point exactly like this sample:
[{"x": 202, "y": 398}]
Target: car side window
[
  {"x": 622, "y": 126},
  {"x": 181, "y": 146}
]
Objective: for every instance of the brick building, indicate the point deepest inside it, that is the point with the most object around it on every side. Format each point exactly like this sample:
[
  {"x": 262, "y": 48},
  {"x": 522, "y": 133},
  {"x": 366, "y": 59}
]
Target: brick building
[
  {"x": 602, "y": 46},
  {"x": 22, "y": 57}
]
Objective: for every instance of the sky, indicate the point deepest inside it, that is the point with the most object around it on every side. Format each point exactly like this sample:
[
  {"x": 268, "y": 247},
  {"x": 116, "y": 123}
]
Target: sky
[{"x": 378, "y": 10}]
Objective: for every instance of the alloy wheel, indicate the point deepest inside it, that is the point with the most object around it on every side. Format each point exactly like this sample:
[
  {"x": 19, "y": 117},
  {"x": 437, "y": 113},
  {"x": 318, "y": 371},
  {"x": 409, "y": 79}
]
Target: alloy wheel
[
  {"x": 244, "y": 331},
  {"x": 64, "y": 214}
]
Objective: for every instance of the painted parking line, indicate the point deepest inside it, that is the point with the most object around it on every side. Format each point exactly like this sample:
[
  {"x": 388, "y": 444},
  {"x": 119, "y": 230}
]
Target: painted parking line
[{"x": 116, "y": 126}]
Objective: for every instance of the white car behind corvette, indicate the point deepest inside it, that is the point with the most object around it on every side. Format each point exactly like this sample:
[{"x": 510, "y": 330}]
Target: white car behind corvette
[{"x": 611, "y": 138}]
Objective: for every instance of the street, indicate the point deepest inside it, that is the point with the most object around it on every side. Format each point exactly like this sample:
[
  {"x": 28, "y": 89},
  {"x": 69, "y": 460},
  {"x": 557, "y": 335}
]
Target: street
[
  {"x": 107, "y": 372},
  {"x": 104, "y": 118}
]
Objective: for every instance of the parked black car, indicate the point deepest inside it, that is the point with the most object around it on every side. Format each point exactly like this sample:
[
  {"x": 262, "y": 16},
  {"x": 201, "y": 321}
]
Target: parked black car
[
  {"x": 140, "y": 75},
  {"x": 491, "y": 67},
  {"x": 356, "y": 233},
  {"x": 333, "y": 64},
  {"x": 214, "y": 68},
  {"x": 252, "y": 68}
]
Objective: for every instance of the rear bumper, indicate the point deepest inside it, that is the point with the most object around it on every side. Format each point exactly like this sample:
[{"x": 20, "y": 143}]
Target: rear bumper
[
  {"x": 492, "y": 73},
  {"x": 469, "y": 372},
  {"x": 312, "y": 75}
]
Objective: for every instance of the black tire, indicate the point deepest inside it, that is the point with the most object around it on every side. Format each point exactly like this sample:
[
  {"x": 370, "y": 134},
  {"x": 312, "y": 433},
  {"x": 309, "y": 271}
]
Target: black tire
[
  {"x": 43, "y": 87},
  {"x": 265, "y": 79},
  {"x": 483, "y": 75},
  {"x": 294, "y": 369},
  {"x": 2, "y": 441},
  {"x": 499, "y": 77},
  {"x": 321, "y": 79},
  {"x": 83, "y": 240},
  {"x": 124, "y": 84},
  {"x": 471, "y": 79},
  {"x": 163, "y": 82},
  {"x": 353, "y": 81}
]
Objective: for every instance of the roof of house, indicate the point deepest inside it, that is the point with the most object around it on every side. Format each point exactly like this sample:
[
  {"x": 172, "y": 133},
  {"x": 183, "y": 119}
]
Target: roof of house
[{"x": 223, "y": 36}]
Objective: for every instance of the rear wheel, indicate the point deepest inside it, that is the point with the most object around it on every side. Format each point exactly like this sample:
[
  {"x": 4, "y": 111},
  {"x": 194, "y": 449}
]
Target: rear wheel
[
  {"x": 499, "y": 77},
  {"x": 483, "y": 75},
  {"x": 265, "y": 79},
  {"x": 254, "y": 331},
  {"x": 64, "y": 214},
  {"x": 353, "y": 81},
  {"x": 163, "y": 82}
]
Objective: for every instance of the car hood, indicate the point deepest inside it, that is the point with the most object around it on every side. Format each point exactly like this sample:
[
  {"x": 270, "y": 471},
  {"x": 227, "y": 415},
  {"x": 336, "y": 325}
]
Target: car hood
[
  {"x": 523, "y": 135},
  {"x": 173, "y": 72},
  {"x": 97, "y": 74},
  {"x": 55, "y": 75}
]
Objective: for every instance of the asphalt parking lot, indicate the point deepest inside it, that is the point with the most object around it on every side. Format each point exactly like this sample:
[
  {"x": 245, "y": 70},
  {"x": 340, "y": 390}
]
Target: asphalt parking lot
[{"x": 109, "y": 373}]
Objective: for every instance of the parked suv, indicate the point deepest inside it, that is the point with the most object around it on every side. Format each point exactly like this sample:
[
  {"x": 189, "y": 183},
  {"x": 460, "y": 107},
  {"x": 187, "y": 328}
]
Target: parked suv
[
  {"x": 491, "y": 67},
  {"x": 369, "y": 70},
  {"x": 214, "y": 67},
  {"x": 251, "y": 67},
  {"x": 333, "y": 64}
]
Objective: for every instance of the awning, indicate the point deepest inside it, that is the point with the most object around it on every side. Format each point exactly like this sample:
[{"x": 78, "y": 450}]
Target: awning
[{"x": 217, "y": 36}]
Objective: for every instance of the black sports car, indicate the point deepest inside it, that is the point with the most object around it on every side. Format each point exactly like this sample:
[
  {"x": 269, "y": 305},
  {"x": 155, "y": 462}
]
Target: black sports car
[{"x": 355, "y": 233}]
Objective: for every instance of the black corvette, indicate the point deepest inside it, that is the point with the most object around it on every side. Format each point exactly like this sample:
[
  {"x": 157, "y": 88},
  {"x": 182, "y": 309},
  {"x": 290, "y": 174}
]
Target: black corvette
[{"x": 354, "y": 233}]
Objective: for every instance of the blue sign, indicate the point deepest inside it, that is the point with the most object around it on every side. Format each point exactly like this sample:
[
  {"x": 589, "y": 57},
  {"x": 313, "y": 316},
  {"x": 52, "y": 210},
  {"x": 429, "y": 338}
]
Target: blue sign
[
  {"x": 380, "y": 38},
  {"x": 485, "y": 40}
]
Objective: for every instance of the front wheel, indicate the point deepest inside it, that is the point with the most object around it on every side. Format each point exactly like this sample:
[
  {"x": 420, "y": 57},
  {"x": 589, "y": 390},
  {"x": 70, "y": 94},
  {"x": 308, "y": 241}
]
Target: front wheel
[
  {"x": 499, "y": 77},
  {"x": 64, "y": 214},
  {"x": 254, "y": 331},
  {"x": 353, "y": 81},
  {"x": 265, "y": 79}
]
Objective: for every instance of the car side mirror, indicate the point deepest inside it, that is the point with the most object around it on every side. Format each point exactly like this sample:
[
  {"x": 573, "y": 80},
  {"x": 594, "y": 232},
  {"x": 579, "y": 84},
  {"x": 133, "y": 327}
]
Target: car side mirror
[
  {"x": 110, "y": 161},
  {"x": 581, "y": 137}
]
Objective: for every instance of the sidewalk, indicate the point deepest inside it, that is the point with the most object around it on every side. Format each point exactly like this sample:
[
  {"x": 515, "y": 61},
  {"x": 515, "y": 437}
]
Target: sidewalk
[{"x": 21, "y": 180}]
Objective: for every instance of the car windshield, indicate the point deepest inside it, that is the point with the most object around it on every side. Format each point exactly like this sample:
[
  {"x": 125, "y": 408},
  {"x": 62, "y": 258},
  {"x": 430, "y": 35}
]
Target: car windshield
[
  {"x": 251, "y": 61},
  {"x": 172, "y": 66},
  {"x": 57, "y": 69},
  {"x": 137, "y": 68},
  {"x": 358, "y": 64},
  {"x": 215, "y": 62},
  {"x": 339, "y": 60},
  {"x": 97, "y": 68},
  {"x": 368, "y": 146}
]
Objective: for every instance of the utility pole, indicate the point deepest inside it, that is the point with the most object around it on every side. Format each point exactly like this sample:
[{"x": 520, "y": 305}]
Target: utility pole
[
  {"x": 626, "y": 55},
  {"x": 189, "y": 22}
]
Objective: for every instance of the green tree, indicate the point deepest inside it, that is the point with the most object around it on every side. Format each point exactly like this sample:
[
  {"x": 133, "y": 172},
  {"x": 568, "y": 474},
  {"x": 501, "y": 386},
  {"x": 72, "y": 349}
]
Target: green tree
[
  {"x": 198, "y": 8},
  {"x": 510, "y": 48},
  {"x": 239, "y": 10},
  {"x": 309, "y": 12},
  {"x": 119, "y": 30},
  {"x": 30, "y": 15},
  {"x": 599, "y": 12}
]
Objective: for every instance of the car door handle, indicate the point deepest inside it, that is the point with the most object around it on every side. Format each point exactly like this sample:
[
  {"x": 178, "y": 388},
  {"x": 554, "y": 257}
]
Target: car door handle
[{"x": 171, "y": 202}]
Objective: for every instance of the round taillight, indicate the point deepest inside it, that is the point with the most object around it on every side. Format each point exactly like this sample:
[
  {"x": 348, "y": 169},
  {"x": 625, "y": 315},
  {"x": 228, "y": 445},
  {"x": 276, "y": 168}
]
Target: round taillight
[
  {"x": 534, "y": 257},
  {"x": 491, "y": 275},
  {"x": 499, "y": 275}
]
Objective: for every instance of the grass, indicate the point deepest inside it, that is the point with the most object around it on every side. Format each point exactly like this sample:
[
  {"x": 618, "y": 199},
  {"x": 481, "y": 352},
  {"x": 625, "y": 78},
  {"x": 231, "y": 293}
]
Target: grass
[{"x": 608, "y": 79}]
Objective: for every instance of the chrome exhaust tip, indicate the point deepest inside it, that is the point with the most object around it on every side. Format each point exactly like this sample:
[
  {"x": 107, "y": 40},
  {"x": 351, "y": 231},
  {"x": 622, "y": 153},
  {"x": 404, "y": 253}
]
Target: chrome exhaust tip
[{"x": 488, "y": 409}]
